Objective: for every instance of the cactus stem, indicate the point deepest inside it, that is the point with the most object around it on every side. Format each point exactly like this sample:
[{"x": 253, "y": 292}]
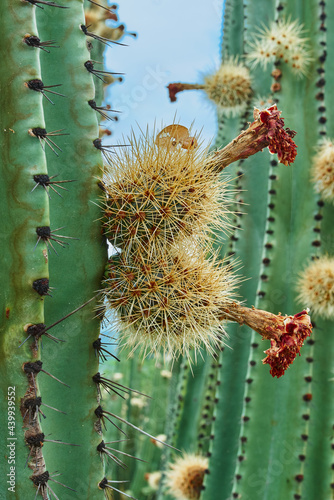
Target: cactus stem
[
  {"x": 101, "y": 414},
  {"x": 101, "y": 109},
  {"x": 34, "y": 405},
  {"x": 36, "y": 441},
  {"x": 44, "y": 2},
  {"x": 107, "y": 384},
  {"x": 106, "y": 149},
  {"x": 99, "y": 348},
  {"x": 34, "y": 368},
  {"x": 105, "y": 484},
  {"x": 40, "y": 329},
  {"x": 41, "y": 482},
  {"x": 41, "y": 286},
  {"x": 103, "y": 449},
  {"x": 44, "y": 233},
  {"x": 110, "y": 10},
  {"x": 37, "y": 331}
]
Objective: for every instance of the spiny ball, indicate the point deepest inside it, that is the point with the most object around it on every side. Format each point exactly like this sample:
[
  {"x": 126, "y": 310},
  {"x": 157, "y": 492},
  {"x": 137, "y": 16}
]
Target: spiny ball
[
  {"x": 157, "y": 190},
  {"x": 185, "y": 477},
  {"x": 282, "y": 41},
  {"x": 316, "y": 287},
  {"x": 169, "y": 301},
  {"x": 323, "y": 170},
  {"x": 230, "y": 87}
]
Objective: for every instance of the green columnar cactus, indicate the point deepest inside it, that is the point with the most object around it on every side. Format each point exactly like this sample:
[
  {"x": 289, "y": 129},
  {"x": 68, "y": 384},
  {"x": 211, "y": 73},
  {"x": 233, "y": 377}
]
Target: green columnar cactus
[
  {"x": 266, "y": 436},
  {"x": 22, "y": 300},
  {"x": 273, "y": 437},
  {"x": 45, "y": 47}
]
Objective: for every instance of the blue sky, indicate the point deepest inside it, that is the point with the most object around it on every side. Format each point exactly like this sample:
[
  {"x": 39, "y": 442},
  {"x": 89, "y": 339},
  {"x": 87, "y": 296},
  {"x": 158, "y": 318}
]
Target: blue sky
[{"x": 177, "y": 41}]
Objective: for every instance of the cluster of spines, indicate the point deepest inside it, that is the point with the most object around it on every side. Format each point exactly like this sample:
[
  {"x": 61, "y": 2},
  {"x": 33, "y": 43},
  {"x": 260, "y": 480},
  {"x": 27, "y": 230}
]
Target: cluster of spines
[
  {"x": 284, "y": 41},
  {"x": 229, "y": 87},
  {"x": 161, "y": 193},
  {"x": 158, "y": 195},
  {"x": 170, "y": 300}
]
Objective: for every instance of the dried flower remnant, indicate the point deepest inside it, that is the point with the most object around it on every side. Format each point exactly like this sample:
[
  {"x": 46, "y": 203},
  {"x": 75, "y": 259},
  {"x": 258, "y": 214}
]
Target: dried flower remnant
[
  {"x": 174, "y": 88},
  {"x": 323, "y": 170},
  {"x": 282, "y": 41},
  {"x": 267, "y": 130},
  {"x": 229, "y": 87},
  {"x": 283, "y": 351},
  {"x": 185, "y": 477},
  {"x": 286, "y": 333},
  {"x": 316, "y": 286},
  {"x": 173, "y": 135}
]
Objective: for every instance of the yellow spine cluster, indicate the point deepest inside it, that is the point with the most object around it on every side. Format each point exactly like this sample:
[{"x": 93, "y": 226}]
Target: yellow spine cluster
[
  {"x": 162, "y": 199},
  {"x": 323, "y": 170},
  {"x": 282, "y": 41},
  {"x": 316, "y": 287},
  {"x": 230, "y": 87},
  {"x": 185, "y": 477}
]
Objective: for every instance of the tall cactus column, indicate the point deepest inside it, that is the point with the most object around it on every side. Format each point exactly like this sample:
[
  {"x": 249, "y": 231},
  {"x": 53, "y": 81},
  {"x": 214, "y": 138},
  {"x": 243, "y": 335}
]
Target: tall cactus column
[
  {"x": 277, "y": 451},
  {"x": 77, "y": 270},
  {"x": 22, "y": 265},
  {"x": 32, "y": 272}
]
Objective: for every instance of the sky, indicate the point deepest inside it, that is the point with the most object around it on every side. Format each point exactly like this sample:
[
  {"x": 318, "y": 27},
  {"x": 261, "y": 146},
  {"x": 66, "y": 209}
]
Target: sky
[{"x": 176, "y": 42}]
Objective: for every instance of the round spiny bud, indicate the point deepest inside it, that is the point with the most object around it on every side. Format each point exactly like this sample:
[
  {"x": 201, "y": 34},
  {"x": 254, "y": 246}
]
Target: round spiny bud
[
  {"x": 158, "y": 190},
  {"x": 185, "y": 477},
  {"x": 230, "y": 87},
  {"x": 316, "y": 287},
  {"x": 323, "y": 170},
  {"x": 281, "y": 41},
  {"x": 153, "y": 479},
  {"x": 168, "y": 301}
]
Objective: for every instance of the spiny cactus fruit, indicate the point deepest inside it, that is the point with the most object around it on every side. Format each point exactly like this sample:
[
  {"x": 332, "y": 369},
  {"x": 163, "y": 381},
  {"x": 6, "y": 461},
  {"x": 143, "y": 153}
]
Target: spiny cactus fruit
[
  {"x": 323, "y": 170},
  {"x": 161, "y": 188},
  {"x": 316, "y": 287},
  {"x": 185, "y": 477},
  {"x": 229, "y": 87},
  {"x": 169, "y": 301},
  {"x": 284, "y": 41}
]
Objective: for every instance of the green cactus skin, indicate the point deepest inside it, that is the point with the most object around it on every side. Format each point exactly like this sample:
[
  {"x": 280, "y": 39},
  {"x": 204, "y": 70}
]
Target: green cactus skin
[
  {"x": 260, "y": 442},
  {"x": 22, "y": 211},
  {"x": 77, "y": 270}
]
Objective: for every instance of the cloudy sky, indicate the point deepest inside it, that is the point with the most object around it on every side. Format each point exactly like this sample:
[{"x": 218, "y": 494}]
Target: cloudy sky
[{"x": 176, "y": 42}]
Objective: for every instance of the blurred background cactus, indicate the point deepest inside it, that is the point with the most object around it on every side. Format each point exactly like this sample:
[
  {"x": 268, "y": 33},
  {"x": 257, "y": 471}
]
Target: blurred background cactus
[
  {"x": 261, "y": 437},
  {"x": 242, "y": 433}
]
